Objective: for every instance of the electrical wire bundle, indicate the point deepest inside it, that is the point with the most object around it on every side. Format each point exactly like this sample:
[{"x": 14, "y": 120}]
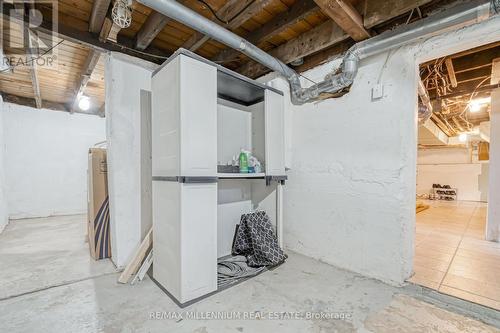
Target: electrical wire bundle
[{"x": 233, "y": 269}]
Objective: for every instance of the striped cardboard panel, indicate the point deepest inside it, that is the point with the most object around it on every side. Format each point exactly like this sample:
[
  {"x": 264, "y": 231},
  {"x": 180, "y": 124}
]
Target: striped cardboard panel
[{"x": 101, "y": 232}]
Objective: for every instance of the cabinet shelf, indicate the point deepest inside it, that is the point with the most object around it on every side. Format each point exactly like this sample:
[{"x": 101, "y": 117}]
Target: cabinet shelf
[{"x": 241, "y": 175}]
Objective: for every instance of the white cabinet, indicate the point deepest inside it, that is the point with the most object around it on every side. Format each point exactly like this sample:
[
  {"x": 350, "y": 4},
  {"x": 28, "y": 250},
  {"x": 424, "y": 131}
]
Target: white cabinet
[
  {"x": 185, "y": 238},
  {"x": 185, "y": 119},
  {"x": 202, "y": 114},
  {"x": 274, "y": 111}
]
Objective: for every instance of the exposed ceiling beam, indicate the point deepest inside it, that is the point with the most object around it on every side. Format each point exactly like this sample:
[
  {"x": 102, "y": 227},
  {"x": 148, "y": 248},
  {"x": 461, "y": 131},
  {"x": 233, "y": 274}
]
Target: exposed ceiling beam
[
  {"x": 457, "y": 123},
  {"x": 346, "y": 16},
  {"x": 380, "y": 13},
  {"x": 113, "y": 33},
  {"x": 312, "y": 41},
  {"x": 34, "y": 78},
  {"x": 299, "y": 11},
  {"x": 150, "y": 29},
  {"x": 482, "y": 58},
  {"x": 88, "y": 68},
  {"x": 106, "y": 29},
  {"x": 451, "y": 72},
  {"x": 466, "y": 92},
  {"x": 448, "y": 130},
  {"x": 8, "y": 98},
  {"x": 235, "y": 13},
  {"x": 88, "y": 39},
  {"x": 324, "y": 55},
  {"x": 29, "y": 45},
  {"x": 98, "y": 14}
]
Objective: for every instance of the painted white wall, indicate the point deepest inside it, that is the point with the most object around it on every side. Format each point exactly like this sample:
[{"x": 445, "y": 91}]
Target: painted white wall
[
  {"x": 125, "y": 77},
  {"x": 493, "y": 224},
  {"x": 350, "y": 198},
  {"x": 46, "y": 159},
  {"x": 444, "y": 156},
  {"x": 450, "y": 166},
  {"x": 4, "y": 212},
  {"x": 463, "y": 177}
]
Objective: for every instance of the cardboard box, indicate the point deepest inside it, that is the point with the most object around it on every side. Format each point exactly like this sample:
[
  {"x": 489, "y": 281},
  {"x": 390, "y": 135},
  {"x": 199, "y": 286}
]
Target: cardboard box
[
  {"x": 98, "y": 205},
  {"x": 484, "y": 151}
]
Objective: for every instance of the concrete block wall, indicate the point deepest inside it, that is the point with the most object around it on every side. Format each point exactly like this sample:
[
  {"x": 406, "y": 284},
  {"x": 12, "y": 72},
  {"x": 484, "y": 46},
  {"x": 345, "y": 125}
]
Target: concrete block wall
[
  {"x": 46, "y": 160},
  {"x": 350, "y": 198}
]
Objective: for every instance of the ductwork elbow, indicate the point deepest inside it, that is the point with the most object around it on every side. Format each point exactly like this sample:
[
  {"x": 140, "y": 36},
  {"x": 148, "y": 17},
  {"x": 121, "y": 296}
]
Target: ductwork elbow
[{"x": 332, "y": 84}]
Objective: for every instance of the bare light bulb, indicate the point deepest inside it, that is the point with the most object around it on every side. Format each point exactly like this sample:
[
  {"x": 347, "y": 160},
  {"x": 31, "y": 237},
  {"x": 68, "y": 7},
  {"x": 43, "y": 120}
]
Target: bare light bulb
[
  {"x": 462, "y": 137},
  {"x": 84, "y": 103},
  {"x": 474, "y": 107}
]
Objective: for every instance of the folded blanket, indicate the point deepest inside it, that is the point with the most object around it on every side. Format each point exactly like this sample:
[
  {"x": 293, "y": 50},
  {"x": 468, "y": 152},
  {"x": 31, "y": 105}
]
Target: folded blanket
[{"x": 256, "y": 240}]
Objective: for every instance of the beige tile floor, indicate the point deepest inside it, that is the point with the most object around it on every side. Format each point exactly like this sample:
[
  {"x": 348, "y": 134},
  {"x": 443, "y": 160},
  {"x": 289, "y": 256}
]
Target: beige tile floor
[{"x": 451, "y": 255}]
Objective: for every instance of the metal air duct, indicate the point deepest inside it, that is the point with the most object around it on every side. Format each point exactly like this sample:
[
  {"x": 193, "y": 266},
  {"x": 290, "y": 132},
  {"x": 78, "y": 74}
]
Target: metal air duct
[{"x": 337, "y": 81}]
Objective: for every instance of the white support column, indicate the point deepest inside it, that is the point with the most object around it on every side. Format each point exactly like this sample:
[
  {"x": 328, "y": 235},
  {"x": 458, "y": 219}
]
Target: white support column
[
  {"x": 279, "y": 214},
  {"x": 493, "y": 222},
  {"x": 128, "y": 149}
]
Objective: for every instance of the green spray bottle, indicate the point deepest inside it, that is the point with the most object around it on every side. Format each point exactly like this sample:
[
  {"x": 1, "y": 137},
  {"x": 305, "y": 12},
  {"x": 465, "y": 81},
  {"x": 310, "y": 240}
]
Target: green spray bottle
[{"x": 243, "y": 161}]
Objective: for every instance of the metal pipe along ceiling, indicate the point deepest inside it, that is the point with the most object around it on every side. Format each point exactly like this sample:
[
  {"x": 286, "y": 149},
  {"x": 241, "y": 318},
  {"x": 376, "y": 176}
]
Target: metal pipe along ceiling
[{"x": 338, "y": 80}]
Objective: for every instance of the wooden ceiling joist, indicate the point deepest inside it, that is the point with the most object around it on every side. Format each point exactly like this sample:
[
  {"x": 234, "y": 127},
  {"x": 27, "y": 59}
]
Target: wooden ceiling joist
[
  {"x": 283, "y": 21},
  {"x": 88, "y": 68},
  {"x": 379, "y": 11},
  {"x": 9, "y": 98},
  {"x": 150, "y": 29},
  {"x": 376, "y": 13},
  {"x": 346, "y": 16},
  {"x": 99, "y": 11},
  {"x": 29, "y": 45},
  {"x": 451, "y": 72},
  {"x": 34, "y": 74},
  {"x": 312, "y": 41},
  {"x": 88, "y": 39},
  {"x": 235, "y": 12}
]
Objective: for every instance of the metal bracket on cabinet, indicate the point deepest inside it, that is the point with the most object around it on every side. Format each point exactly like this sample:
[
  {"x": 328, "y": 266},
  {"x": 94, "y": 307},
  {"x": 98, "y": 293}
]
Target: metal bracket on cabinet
[
  {"x": 187, "y": 179},
  {"x": 280, "y": 179}
]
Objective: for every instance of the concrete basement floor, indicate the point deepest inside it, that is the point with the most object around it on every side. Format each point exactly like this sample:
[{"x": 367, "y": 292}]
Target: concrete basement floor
[{"x": 63, "y": 296}]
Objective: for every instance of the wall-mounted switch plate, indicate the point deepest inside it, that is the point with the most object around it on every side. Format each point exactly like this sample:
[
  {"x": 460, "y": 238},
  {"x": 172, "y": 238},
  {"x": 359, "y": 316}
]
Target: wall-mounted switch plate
[{"x": 377, "y": 92}]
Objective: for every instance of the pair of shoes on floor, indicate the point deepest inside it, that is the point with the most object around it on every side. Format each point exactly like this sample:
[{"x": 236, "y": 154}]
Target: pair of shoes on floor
[
  {"x": 441, "y": 186},
  {"x": 449, "y": 192}
]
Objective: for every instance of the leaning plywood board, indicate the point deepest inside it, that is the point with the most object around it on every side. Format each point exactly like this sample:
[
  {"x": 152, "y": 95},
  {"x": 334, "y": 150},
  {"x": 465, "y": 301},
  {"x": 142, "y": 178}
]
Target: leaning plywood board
[{"x": 139, "y": 256}]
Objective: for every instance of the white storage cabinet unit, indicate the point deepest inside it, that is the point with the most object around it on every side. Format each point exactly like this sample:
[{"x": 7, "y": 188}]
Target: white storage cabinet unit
[{"x": 203, "y": 114}]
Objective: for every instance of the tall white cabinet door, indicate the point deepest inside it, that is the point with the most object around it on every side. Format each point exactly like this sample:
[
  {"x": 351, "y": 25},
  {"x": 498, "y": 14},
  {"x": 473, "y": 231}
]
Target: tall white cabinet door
[
  {"x": 167, "y": 226},
  {"x": 198, "y": 118},
  {"x": 274, "y": 110},
  {"x": 198, "y": 240},
  {"x": 165, "y": 120}
]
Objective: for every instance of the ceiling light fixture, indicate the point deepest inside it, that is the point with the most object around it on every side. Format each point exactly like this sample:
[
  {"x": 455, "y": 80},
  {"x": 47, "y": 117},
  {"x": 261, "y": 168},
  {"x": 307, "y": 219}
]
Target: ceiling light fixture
[
  {"x": 476, "y": 104},
  {"x": 122, "y": 13},
  {"x": 463, "y": 137},
  {"x": 84, "y": 103},
  {"x": 297, "y": 62}
]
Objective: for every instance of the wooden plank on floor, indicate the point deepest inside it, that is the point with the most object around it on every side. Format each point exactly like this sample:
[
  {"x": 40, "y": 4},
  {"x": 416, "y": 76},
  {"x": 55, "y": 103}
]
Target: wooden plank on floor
[{"x": 139, "y": 256}]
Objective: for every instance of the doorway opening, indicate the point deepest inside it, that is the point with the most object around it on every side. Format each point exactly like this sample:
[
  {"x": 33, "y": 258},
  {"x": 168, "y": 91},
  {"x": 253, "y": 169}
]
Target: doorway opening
[{"x": 452, "y": 253}]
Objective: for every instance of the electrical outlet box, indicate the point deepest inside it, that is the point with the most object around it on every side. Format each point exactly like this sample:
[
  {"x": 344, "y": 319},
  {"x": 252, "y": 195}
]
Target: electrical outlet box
[{"x": 377, "y": 92}]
